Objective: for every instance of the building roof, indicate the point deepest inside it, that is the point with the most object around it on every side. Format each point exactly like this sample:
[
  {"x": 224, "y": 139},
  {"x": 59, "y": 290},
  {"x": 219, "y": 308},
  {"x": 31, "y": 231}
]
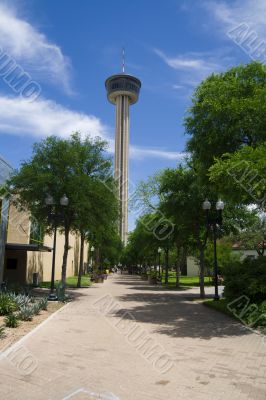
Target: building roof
[{"x": 27, "y": 247}]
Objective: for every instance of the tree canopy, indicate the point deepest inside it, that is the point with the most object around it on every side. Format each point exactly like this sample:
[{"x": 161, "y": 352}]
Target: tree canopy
[{"x": 228, "y": 111}]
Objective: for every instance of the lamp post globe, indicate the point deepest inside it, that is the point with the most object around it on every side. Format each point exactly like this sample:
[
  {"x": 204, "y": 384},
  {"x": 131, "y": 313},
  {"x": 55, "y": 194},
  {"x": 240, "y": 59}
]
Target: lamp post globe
[
  {"x": 206, "y": 205},
  {"x": 64, "y": 201},
  {"x": 219, "y": 205},
  {"x": 49, "y": 200}
]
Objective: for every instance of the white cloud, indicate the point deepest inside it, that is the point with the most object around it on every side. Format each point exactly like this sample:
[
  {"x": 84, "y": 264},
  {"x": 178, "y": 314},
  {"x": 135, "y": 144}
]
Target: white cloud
[
  {"x": 191, "y": 68},
  {"x": 187, "y": 62},
  {"x": 39, "y": 57},
  {"x": 190, "y": 61},
  {"x": 251, "y": 12},
  {"x": 177, "y": 87},
  {"x": 45, "y": 117},
  {"x": 42, "y": 118},
  {"x": 141, "y": 152}
]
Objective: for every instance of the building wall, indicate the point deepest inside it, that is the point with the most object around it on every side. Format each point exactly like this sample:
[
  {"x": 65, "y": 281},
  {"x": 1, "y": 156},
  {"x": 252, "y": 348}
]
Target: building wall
[
  {"x": 4, "y": 207},
  {"x": 192, "y": 266},
  {"x": 41, "y": 262},
  {"x": 18, "y": 274},
  {"x": 5, "y": 171},
  {"x": 18, "y": 230},
  {"x": 193, "y": 263},
  {"x": 37, "y": 261},
  {"x": 246, "y": 253}
]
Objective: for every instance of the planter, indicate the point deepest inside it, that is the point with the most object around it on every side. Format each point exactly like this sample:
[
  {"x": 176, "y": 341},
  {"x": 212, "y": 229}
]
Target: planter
[
  {"x": 98, "y": 278},
  {"x": 153, "y": 280}
]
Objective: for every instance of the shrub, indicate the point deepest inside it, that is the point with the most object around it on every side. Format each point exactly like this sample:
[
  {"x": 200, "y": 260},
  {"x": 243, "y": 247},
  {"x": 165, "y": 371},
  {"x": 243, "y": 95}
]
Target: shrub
[
  {"x": 258, "y": 318},
  {"x": 11, "y": 321},
  {"x": 17, "y": 288},
  {"x": 25, "y": 313},
  {"x": 7, "y": 304},
  {"x": 246, "y": 278},
  {"x": 153, "y": 274}
]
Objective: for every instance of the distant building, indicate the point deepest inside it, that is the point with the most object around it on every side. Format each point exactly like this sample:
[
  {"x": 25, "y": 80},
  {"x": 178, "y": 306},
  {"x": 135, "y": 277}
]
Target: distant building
[
  {"x": 193, "y": 263},
  {"x": 5, "y": 171}
]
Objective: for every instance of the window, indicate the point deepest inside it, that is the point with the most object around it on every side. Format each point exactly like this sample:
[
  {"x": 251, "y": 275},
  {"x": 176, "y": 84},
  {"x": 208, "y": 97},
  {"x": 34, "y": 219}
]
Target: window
[
  {"x": 11, "y": 263},
  {"x": 36, "y": 233}
]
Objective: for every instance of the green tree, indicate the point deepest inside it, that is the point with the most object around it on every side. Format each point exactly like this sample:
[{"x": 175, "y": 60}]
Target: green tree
[
  {"x": 97, "y": 220},
  {"x": 180, "y": 194},
  {"x": 225, "y": 256},
  {"x": 254, "y": 237},
  {"x": 228, "y": 111},
  {"x": 61, "y": 166},
  {"x": 181, "y": 198},
  {"x": 240, "y": 176}
]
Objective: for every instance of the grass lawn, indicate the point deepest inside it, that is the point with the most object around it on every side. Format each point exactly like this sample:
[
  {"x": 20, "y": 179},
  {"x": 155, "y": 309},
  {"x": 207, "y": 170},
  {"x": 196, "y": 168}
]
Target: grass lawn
[
  {"x": 71, "y": 282},
  {"x": 187, "y": 281},
  {"x": 220, "y": 305},
  {"x": 258, "y": 322}
]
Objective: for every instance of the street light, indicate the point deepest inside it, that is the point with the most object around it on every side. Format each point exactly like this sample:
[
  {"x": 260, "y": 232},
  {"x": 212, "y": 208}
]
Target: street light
[
  {"x": 213, "y": 222},
  {"x": 159, "y": 254},
  {"x": 55, "y": 218},
  {"x": 92, "y": 250},
  {"x": 120, "y": 267}
]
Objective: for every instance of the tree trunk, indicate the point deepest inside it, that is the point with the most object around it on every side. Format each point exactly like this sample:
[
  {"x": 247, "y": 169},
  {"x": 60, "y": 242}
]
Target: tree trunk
[
  {"x": 202, "y": 270},
  {"x": 81, "y": 259},
  {"x": 183, "y": 262},
  {"x": 166, "y": 266},
  {"x": 178, "y": 259},
  {"x": 97, "y": 260},
  {"x": 64, "y": 265}
]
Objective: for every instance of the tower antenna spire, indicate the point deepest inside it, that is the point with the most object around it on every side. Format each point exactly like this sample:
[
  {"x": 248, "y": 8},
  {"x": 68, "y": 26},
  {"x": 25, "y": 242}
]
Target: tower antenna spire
[{"x": 123, "y": 60}]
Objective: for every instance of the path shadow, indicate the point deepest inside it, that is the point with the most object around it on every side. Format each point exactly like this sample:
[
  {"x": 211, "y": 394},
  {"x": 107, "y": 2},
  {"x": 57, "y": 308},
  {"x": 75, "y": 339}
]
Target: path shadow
[
  {"x": 175, "y": 315},
  {"x": 140, "y": 284}
]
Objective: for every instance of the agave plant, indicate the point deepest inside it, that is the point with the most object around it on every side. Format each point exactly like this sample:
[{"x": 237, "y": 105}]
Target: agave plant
[
  {"x": 36, "y": 308},
  {"x": 25, "y": 313},
  {"x": 11, "y": 321},
  {"x": 20, "y": 299},
  {"x": 44, "y": 303}
]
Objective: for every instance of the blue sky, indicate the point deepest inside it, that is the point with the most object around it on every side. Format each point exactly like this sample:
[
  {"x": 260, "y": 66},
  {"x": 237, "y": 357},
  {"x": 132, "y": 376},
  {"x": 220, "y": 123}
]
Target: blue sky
[{"x": 70, "y": 47}]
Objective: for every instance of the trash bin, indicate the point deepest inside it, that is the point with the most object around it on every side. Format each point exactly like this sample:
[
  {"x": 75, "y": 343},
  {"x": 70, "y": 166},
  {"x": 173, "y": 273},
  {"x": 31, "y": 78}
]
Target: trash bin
[{"x": 35, "y": 279}]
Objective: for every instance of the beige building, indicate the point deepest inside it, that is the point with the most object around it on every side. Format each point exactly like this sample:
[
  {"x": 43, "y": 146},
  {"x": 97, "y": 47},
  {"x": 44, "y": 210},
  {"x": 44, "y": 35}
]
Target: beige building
[{"x": 26, "y": 253}]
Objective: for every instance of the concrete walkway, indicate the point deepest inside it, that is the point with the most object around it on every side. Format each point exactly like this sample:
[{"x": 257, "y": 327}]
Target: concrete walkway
[{"x": 127, "y": 340}]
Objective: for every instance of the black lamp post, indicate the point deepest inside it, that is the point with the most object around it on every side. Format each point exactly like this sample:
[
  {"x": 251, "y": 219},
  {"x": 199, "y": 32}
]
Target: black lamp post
[
  {"x": 55, "y": 218},
  {"x": 212, "y": 222},
  {"x": 159, "y": 255}
]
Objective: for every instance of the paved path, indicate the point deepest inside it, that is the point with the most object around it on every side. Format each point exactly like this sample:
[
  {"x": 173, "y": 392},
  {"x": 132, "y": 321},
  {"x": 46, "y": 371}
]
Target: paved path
[{"x": 127, "y": 340}]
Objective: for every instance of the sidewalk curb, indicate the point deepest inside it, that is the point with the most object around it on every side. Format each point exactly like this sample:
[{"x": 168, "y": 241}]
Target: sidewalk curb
[{"x": 5, "y": 353}]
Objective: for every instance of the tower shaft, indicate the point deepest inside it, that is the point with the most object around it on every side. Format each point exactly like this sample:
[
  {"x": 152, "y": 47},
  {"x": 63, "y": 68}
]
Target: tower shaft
[{"x": 121, "y": 161}]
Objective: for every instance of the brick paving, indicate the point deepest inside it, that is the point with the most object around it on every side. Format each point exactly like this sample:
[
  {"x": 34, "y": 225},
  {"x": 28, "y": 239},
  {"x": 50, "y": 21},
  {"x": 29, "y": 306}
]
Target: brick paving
[{"x": 126, "y": 340}]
